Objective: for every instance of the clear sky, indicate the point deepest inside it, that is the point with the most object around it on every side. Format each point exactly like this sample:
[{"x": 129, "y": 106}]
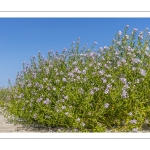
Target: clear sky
[{"x": 22, "y": 38}]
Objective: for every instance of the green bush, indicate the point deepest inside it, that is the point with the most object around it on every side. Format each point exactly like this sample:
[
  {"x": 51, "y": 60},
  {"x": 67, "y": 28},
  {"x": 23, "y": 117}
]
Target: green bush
[{"x": 87, "y": 90}]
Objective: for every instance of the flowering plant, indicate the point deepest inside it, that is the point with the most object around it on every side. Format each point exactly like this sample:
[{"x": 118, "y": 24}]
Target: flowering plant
[{"x": 85, "y": 90}]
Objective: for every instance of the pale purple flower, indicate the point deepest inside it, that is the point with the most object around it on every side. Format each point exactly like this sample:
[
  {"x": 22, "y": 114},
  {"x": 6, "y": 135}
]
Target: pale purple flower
[
  {"x": 54, "y": 88},
  {"x": 66, "y": 97},
  {"x": 141, "y": 32},
  {"x": 119, "y": 32},
  {"x": 137, "y": 81},
  {"x": 64, "y": 79},
  {"x": 130, "y": 114},
  {"x": 66, "y": 113},
  {"x": 83, "y": 124},
  {"x": 92, "y": 92},
  {"x": 133, "y": 121},
  {"x": 101, "y": 72},
  {"x": 57, "y": 81},
  {"x": 100, "y": 49},
  {"x": 39, "y": 99},
  {"x": 84, "y": 79},
  {"x": 78, "y": 71},
  {"x": 96, "y": 89},
  {"x": 106, "y": 66},
  {"x": 118, "y": 63},
  {"x": 146, "y": 121},
  {"x": 81, "y": 91},
  {"x": 123, "y": 60},
  {"x": 135, "y": 130},
  {"x": 90, "y": 64},
  {"x": 133, "y": 68},
  {"x": 106, "y": 105},
  {"x": 36, "y": 84},
  {"x": 47, "y": 101},
  {"x": 109, "y": 86},
  {"x": 127, "y": 37},
  {"x": 126, "y": 86},
  {"x": 29, "y": 85},
  {"x": 140, "y": 37},
  {"x": 45, "y": 79},
  {"x": 127, "y": 26},
  {"x": 34, "y": 75},
  {"x": 71, "y": 74},
  {"x": 47, "y": 70},
  {"x": 143, "y": 72},
  {"x": 119, "y": 42},
  {"x": 112, "y": 80},
  {"x": 78, "y": 119},
  {"x": 124, "y": 94},
  {"x": 99, "y": 64},
  {"x": 63, "y": 107},
  {"x": 135, "y": 29},
  {"x": 104, "y": 80},
  {"x": 61, "y": 73},
  {"x": 21, "y": 95},
  {"x": 41, "y": 86},
  {"x": 84, "y": 72},
  {"x": 35, "y": 116},
  {"x": 124, "y": 80},
  {"x": 106, "y": 91},
  {"x": 95, "y": 43}
]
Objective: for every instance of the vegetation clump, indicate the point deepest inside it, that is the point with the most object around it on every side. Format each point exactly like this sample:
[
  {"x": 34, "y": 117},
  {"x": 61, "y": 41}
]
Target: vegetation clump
[{"x": 91, "y": 91}]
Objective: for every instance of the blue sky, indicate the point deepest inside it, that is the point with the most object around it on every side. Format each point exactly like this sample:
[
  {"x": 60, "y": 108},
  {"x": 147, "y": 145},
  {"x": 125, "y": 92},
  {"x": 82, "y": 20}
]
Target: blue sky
[{"x": 22, "y": 38}]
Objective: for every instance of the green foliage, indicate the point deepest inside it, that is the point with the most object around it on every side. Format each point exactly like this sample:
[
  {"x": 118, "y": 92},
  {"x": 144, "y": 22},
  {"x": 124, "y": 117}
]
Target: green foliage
[{"x": 85, "y": 90}]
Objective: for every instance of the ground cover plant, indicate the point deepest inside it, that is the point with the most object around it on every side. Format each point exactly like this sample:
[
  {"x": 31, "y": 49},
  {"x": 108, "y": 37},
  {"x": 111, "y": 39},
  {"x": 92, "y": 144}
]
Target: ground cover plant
[{"x": 88, "y": 91}]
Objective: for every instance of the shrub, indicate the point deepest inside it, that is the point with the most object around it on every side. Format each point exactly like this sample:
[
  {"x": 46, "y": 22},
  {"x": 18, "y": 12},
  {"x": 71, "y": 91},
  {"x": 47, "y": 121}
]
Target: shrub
[{"x": 87, "y": 90}]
